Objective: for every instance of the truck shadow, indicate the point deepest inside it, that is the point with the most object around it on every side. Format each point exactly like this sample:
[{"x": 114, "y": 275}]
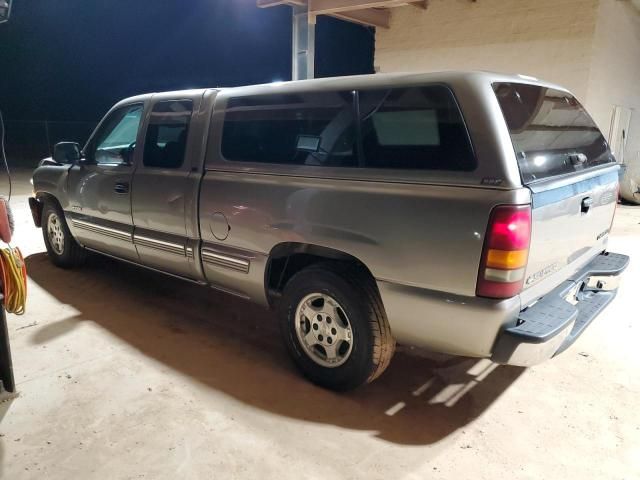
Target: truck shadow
[{"x": 234, "y": 347}]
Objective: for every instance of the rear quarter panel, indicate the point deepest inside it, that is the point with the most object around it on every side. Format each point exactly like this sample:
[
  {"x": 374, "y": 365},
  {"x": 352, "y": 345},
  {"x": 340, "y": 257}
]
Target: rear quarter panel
[
  {"x": 426, "y": 236},
  {"x": 422, "y": 243}
]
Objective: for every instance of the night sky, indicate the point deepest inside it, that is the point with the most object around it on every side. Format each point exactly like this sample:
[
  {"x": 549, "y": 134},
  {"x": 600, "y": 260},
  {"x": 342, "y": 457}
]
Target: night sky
[{"x": 72, "y": 59}]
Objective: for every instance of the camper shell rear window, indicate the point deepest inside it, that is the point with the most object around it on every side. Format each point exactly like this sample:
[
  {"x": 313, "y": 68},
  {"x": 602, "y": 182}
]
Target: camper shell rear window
[{"x": 552, "y": 133}]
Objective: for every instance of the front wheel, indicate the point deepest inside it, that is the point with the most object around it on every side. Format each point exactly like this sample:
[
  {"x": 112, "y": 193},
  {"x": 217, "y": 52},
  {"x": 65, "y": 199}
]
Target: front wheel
[
  {"x": 334, "y": 325},
  {"x": 62, "y": 248}
]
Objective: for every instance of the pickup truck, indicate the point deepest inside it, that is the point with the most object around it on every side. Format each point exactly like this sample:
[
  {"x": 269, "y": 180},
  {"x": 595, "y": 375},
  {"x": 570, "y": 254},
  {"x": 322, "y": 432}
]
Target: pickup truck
[{"x": 463, "y": 212}]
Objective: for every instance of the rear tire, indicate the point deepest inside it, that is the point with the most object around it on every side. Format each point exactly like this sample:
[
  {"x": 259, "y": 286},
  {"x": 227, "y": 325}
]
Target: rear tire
[
  {"x": 334, "y": 325},
  {"x": 62, "y": 248}
]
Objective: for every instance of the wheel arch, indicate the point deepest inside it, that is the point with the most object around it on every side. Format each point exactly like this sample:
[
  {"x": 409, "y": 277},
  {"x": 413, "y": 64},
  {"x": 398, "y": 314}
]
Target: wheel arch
[
  {"x": 288, "y": 258},
  {"x": 48, "y": 197},
  {"x": 44, "y": 197}
]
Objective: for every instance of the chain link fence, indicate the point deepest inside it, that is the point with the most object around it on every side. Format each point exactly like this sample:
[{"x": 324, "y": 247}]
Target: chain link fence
[{"x": 29, "y": 141}]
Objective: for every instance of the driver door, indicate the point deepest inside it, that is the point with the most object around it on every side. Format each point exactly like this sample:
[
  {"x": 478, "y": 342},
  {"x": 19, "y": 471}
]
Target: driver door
[{"x": 100, "y": 186}]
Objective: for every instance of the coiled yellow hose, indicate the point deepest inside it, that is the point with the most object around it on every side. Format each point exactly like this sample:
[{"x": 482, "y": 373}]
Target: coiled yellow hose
[{"x": 14, "y": 280}]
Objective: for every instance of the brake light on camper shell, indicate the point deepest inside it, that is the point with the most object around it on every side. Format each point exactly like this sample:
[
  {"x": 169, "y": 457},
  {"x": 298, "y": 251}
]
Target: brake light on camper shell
[{"x": 506, "y": 252}]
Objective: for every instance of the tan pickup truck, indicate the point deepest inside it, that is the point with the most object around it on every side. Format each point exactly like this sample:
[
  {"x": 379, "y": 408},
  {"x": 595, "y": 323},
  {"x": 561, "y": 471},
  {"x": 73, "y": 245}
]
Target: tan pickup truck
[{"x": 463, "y": 212}]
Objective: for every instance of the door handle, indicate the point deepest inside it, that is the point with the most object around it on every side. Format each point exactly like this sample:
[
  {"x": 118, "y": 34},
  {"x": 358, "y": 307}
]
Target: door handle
[
  {"x": 121, "y": 187},
  {"x": 586, "y": 204}
]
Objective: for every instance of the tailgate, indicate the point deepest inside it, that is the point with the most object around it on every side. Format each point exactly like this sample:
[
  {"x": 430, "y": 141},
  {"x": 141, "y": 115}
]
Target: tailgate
[
  {"x": 570, "y": 225},
  {"x": 566, "y": 163}
]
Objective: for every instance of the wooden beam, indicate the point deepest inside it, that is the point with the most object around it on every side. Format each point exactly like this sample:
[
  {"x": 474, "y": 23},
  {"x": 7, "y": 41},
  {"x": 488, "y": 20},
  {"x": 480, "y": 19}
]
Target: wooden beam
[
  {"x": 355, "y": 11},
  {"x": 325, "y": 7},
  {"x": 371, "y": 17},
  {"x": 273, "y": 3}
]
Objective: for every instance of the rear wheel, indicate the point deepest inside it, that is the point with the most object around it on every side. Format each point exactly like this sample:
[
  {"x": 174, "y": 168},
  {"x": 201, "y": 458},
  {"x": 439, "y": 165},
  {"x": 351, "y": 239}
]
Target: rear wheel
[
  {"x": 62, "y": 248},
  {"x": 334, "y": 325}
]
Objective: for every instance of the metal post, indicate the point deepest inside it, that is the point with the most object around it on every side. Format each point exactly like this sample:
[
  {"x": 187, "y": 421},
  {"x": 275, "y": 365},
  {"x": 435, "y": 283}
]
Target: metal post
[{"x": 304, "y": 44}]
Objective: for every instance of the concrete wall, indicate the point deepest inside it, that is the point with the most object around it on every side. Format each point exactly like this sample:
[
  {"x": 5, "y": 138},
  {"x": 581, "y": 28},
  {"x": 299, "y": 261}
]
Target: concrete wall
[
  {"x": 615, "y": 79},
  {"x": 592, "y": 47},
  {"x": 549, "y": 39}
]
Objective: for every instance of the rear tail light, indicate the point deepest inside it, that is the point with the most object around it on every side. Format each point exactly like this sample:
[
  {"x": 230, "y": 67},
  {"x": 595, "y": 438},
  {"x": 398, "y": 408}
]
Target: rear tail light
[{"x": 505, "y": 253}]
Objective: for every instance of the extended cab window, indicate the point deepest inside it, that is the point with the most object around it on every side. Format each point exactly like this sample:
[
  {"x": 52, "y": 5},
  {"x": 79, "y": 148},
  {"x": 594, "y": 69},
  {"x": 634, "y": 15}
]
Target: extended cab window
[
  {"x": 414, "y": 128},
  {"x": 166, "y": 139},
  {"x": 115, "y": 140},
  {"x": 552, "y": 134},
  {"x": 315, "y": 128}
]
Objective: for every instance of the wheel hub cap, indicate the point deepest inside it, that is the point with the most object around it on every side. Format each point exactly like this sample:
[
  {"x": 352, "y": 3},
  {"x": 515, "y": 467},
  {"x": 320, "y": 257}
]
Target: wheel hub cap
[
  {"x": 55, "y": 233},
  {"x": 323, "y": 329}
]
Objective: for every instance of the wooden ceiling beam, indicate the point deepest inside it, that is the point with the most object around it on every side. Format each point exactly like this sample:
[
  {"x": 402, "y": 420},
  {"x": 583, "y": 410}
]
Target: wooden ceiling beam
[
  {"x": 371, "y": 17},
  {"x": 325, "y": 7},
  {"x": 274, "y": 3},
  {"x": 364, "y": 12}
]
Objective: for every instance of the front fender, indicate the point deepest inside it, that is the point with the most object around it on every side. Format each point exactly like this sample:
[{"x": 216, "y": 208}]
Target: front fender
[{"x": 51, "y": 180}]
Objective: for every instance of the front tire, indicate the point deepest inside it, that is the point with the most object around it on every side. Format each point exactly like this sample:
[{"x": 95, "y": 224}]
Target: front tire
[
  {"x": 335, "y": 327},
  {"x": 62, "y": 248}
]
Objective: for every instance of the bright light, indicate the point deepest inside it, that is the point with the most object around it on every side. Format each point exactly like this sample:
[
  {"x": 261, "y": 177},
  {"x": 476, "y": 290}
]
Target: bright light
[{"x": 539, "y": 160}]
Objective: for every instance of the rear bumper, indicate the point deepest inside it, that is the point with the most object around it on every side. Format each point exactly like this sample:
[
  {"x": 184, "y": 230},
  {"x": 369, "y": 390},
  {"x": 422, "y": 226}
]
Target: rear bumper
[{"x": 554, "y": 322}]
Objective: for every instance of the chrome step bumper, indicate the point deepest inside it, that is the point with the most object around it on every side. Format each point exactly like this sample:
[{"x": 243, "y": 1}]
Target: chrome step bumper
[{"x": 554, "y": 322}]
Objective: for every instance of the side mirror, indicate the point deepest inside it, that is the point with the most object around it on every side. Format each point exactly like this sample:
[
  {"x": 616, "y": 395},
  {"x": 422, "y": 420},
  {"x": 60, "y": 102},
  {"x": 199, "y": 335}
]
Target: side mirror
[
  {"x": 127, "y": 154},
  {"x": 66, "y": 152}
]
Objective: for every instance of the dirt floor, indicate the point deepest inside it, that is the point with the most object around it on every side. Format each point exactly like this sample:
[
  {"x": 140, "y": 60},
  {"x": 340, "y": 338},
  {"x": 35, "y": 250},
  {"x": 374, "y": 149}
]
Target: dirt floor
[{"x": 124, "y": 373}]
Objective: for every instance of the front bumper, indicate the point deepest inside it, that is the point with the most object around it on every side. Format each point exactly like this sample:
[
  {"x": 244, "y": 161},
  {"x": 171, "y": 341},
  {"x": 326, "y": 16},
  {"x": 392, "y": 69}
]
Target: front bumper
[{"x": 554, "y": 322}]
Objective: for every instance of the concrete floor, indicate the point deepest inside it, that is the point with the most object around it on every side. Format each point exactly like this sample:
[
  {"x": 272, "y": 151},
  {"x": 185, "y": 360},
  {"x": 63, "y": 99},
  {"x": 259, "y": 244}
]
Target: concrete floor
[{"x": 124, "y": 373}]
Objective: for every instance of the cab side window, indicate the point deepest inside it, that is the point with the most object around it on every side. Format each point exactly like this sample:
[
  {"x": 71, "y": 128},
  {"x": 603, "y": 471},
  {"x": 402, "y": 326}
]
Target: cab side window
[
  {"x": 115, "y": 141},
  {"x": 166, "y": 139}
]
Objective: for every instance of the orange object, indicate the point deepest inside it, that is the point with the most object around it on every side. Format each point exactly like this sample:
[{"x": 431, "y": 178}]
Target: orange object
[
  {"x": 5, "y": 221},
  {"x": 13, "y": 270}
]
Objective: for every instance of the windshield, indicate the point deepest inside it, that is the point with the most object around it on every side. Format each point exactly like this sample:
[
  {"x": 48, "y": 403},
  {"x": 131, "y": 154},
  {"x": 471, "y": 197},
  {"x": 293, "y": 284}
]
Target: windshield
[{"x": 552, "y": 133}]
